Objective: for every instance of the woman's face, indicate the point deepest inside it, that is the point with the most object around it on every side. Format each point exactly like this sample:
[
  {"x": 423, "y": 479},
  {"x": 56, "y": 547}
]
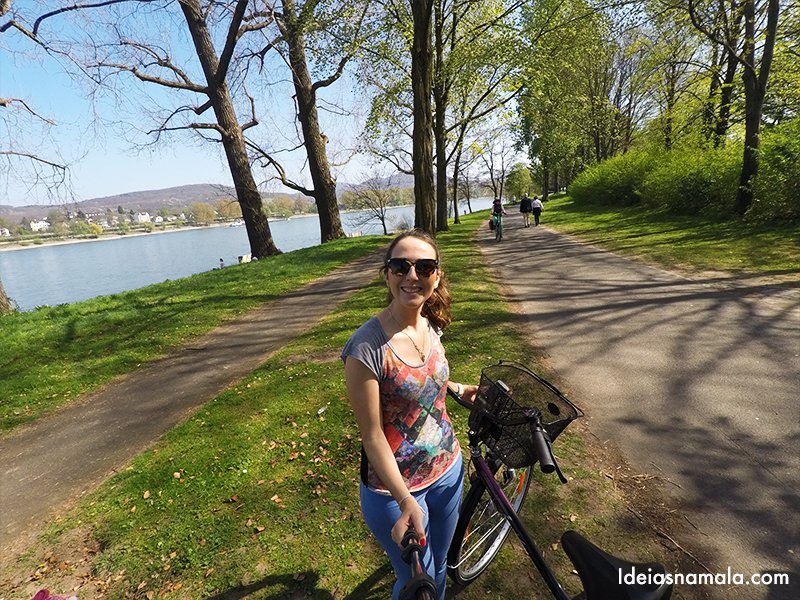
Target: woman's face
[{"x": 412, "y": 290}]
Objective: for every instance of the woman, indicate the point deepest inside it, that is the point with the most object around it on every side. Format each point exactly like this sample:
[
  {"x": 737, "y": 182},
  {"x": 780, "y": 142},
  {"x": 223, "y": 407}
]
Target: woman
[
  {"x": 525, "y": 207},
  {"x": 396, "y": 375}
]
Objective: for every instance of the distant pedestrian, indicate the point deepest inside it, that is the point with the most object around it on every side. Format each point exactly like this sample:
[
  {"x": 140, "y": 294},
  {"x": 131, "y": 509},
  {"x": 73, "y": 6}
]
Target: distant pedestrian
[
  {"x": 536, "y": 207},
  {"x": 221, "y": 263},
  {"x": 526, "y": 207}
]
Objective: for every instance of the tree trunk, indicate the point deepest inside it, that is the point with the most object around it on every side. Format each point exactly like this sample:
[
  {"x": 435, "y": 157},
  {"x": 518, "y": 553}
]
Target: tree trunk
[
  {"x": 330, "y": 223},
  {"x": 755, "y": 88},
  {"x": 441, "y": 166},
  {"x": 440, "y": 98},
  {"x": 725, "y": 99},
  {"x": 731, "y": 61},
  {"x": 709, "y": 107},
  {"x": 422, "y": 136},
  {"x": 545, "y": 179},
  {"x": 456, "y": 167},
  {"x": 255, "y": 219},
  {"x": 5, "y": 303}
]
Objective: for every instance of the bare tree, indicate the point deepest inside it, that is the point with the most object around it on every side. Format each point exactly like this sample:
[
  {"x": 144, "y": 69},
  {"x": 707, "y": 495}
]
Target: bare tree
[
  {"x": 153, "y": 64},
  {"x": 374, "y": 197},
  {"x": 496, "y": 152},
  {"x": 18, "y": 159},
  {"x": 295, "y": 22},
  {"x": 227, "y": 126}
]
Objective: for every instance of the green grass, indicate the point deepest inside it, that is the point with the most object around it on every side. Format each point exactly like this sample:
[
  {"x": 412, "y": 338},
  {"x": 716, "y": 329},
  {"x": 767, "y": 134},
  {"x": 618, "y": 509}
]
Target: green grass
[
  {"x": 687, "y": 243},
  {"x": 54, "y": 354},
  {"x": 257, "y": 492}
]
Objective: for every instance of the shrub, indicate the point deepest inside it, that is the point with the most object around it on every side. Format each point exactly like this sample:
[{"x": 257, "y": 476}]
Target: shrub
[
  {"x": 614, "y": 182},
  {"x": 777, "y": 186},
  {"x": 695, "y": 181}
]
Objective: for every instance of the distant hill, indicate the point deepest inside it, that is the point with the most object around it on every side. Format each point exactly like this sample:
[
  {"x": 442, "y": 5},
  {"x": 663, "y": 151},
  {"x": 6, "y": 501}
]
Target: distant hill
[
  {"x": 398, "y": 180},
  {"x": 173, "y": 198},
  {"x": 147, "y": 200}
]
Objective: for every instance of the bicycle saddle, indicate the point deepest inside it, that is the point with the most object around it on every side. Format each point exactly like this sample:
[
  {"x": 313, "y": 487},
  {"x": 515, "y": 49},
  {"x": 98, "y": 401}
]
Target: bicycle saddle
[{"x": 602, "y": 574}]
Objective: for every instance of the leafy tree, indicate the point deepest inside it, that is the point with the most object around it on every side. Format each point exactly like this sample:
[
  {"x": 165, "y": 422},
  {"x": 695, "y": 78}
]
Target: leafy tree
[
  {"x": 227, "y": 209},
  {"x": 203, "y": 213},
  {"x": 518, "y": 180},
  {"x": 755, "y": 54}
]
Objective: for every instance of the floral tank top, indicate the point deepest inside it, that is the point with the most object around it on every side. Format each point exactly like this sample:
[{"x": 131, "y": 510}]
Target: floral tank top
[{"x": 413, "y": 410}]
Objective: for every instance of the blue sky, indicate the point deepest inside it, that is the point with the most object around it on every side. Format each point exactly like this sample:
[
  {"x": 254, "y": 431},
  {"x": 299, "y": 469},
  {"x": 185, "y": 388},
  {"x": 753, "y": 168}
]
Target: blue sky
[{"x": 103, "y": 162}]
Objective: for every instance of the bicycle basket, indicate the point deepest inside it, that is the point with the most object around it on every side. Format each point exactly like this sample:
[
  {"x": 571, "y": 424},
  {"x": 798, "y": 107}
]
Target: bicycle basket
[{"x": 506, "y": 392}]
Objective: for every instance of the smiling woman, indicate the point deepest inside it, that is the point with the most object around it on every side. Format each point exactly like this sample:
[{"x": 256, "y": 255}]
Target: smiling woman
[{"x": 397, "y": 378}]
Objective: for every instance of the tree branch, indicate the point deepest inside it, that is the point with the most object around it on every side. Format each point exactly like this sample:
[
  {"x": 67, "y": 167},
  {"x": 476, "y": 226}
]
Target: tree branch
[
  {"x": 230, "y": 42},
  {"x": 142, "y": 76},
  {"x": 34, "y": 158},
  {"x": 7, "y": 102},
  {"x": 270, "y": 160}
]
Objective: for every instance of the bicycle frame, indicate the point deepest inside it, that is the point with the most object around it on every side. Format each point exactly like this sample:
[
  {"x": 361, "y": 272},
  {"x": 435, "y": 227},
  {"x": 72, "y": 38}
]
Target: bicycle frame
[{"x": 488, "y": 481}]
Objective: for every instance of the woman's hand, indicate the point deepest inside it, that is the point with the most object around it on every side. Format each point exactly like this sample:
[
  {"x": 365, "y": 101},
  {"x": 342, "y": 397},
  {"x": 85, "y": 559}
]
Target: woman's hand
[
  {"x": 410, "y": 517},
  {"x": 470, "y": 394}
]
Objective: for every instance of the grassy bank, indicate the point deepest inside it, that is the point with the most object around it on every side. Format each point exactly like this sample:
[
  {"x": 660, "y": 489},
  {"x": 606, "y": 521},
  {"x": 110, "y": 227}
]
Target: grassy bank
[
  {"x": 679, "y": 242},
  {"x": 54, "y": 354},
  {"x": 256, "y": 494}
]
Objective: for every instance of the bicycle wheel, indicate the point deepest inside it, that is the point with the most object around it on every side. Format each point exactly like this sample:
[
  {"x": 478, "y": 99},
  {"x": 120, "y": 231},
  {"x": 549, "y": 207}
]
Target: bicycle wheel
[
  {"x": 482, "y": 528},
  {"x": 498, "y": 230}
]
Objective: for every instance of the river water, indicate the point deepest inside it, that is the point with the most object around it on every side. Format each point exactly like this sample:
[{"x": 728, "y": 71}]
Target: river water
[{"x": 63, "y": 273}]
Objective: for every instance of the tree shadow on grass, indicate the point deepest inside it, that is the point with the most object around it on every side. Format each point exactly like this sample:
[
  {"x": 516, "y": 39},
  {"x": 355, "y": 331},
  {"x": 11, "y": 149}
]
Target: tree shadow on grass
[{"x": 292, "y": 586}]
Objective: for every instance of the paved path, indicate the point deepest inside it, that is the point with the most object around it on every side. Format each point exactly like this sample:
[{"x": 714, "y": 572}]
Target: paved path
[
  {"x": 48, "y": 464},
  {"x": 696, "y": 382}
]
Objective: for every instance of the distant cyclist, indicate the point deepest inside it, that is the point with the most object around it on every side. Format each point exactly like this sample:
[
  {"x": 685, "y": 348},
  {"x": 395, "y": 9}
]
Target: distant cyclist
[{"x": 497, "y": 218}]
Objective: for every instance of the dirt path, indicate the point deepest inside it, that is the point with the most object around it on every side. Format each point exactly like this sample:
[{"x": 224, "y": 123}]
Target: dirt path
[
  {"x": 47, "y": 465},
  {"x": 695, "y": 381}
]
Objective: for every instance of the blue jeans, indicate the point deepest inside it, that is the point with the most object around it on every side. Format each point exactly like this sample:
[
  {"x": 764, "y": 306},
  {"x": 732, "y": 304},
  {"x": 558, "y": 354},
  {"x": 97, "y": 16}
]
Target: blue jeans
[{"x": 440, "y": 503}]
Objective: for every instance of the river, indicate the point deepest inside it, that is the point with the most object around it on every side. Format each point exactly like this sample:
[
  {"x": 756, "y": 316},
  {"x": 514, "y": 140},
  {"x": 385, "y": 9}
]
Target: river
[{"x": 54, "y": 274}]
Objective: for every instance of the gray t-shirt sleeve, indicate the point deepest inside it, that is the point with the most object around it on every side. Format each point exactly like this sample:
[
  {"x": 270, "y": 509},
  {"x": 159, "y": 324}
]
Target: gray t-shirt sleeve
[{"x": 368, "y": 346}]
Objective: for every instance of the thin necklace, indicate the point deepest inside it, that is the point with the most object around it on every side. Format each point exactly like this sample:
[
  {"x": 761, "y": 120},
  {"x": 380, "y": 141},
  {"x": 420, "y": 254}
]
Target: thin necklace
[{"x": 402, "y": 330}]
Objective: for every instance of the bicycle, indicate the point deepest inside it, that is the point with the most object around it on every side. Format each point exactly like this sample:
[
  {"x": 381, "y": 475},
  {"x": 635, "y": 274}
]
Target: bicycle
[
  {"x": 516, "y": 417},
  {"x": 498, "y": 226}
]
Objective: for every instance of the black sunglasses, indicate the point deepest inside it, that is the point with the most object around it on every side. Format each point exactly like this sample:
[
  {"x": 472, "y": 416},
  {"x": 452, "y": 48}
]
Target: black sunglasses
[{"x": 425, "y": 267}]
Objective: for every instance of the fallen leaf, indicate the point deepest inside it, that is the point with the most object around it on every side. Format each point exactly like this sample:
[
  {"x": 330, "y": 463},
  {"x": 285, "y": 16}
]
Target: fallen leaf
[{"x": 146, "y": 495}]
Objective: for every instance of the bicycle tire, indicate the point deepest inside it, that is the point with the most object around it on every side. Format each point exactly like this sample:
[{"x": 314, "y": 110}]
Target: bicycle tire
[
  {"x": 468, "y": 555},
  {"x": 498, "y": 233}
]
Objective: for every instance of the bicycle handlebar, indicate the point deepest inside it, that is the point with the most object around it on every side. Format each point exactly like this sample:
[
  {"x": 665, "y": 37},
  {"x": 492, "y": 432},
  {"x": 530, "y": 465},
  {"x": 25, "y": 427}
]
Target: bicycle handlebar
[
  {"x": 421, "y": 585},
  {"x": 543, "y": 449},
  {"x": 455, "y": 396},
  {"x": 541, "y": 443}
]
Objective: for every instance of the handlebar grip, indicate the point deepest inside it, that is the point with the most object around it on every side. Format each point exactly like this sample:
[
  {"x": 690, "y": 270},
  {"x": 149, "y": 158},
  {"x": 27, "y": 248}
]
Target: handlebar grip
[
  {"x": 543, "y": 450},
  {"x": 455, "y": 396},
  {"x": 410, "y": 537}
]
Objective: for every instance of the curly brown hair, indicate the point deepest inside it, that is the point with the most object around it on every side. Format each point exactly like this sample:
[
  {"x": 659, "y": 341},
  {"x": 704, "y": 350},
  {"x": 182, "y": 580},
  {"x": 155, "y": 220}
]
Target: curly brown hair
[{"x": 436, "y": 308}]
